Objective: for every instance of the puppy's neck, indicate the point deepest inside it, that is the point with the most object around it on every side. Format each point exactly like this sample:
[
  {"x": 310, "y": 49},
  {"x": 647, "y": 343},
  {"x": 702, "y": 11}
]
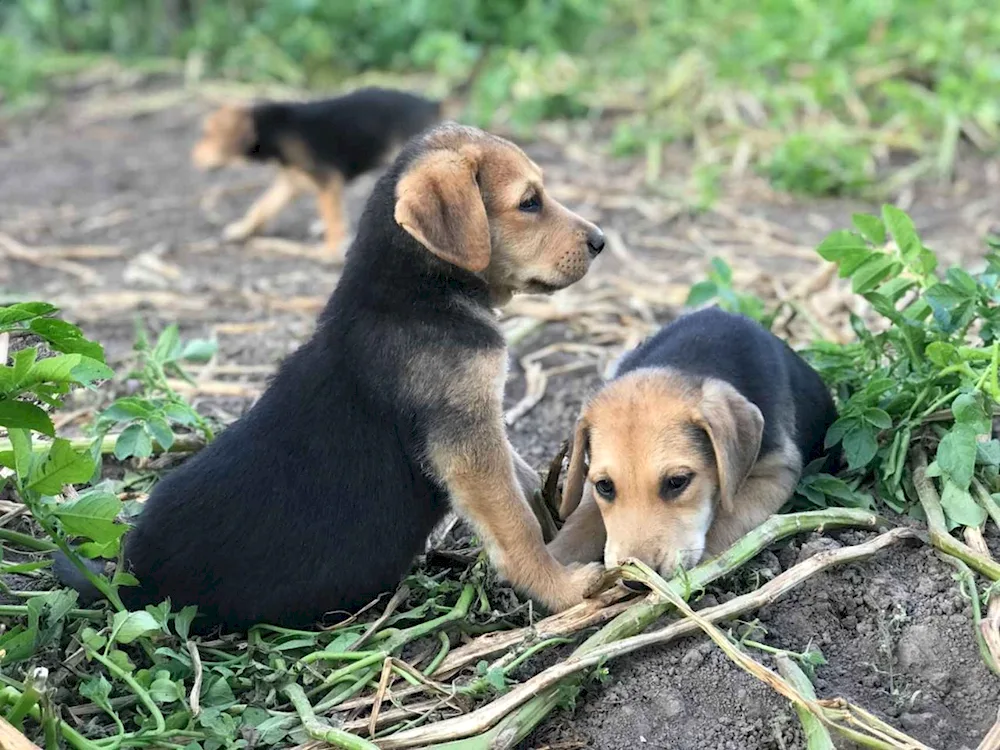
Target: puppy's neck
[{"x": 270, "y": 128}]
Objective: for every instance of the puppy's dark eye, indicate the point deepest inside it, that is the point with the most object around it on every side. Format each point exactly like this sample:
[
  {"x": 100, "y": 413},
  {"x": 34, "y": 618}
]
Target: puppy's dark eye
[
  {"x": 532, "y": 204},
  {"x": 605, "y": 488},
  {"x": 674, "y": 485}
]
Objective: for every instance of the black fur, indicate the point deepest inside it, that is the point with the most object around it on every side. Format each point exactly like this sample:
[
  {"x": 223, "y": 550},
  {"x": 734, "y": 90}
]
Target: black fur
[
  {"x": 316, "y": 500},
  {"x": 349, "y": 135},
  {"x": 762, "y": 367}
]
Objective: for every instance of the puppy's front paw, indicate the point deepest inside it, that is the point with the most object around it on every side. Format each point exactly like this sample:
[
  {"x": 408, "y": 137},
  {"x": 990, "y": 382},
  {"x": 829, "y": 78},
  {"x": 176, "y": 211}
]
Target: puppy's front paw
[
  {"x": 577, "y": 582},
  {"x": 238, "y": 231}
]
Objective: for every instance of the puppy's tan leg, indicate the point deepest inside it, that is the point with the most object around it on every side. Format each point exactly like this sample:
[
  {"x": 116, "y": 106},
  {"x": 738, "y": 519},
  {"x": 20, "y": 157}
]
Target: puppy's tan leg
[
  {"x": 283, "y": 191},
  {"x": 330, "y": 203},
  {"x": 582, "y": 537},
  {"x": 483, "y": 484},
  {"x": 768, "y": 487}
]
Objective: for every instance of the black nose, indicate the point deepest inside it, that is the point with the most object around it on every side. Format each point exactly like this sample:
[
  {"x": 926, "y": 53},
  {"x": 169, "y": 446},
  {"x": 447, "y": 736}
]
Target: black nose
[
  {"x": 595, "y": 242},
  {"x": 636, "y": 586}
]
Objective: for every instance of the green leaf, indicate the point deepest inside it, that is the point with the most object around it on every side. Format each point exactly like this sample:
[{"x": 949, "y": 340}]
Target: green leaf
[
  {"x": 219, "y": 695},
  {"x": 871, "y": 228},
  {"x": 168, "y": 345},
  {"x": 181, "y": 414},
  {"x": 165, "y": 690},
  {"x": 133, "y": 441},
  {"x": 199, "y": 350},
  {"x": 21, "y": 415},
  {"x": 90, "y": 370},
  {"x": 988, "y": 453},
  {"x": 842, "y": 244},
  {"x": 120, "y": 658},
  {"x": 20, "y": 441},
  {"x": 92, "y": 515},
  {"x": 838, "y": 429},
  {"x": 58, "y": 369},
  {"x": 963, "y": 282},
  {"x": 942, "y": 354},
  {"x": 722, "y": 271},
  {"x": 956, "y": 455},
  {"x": 128, "y": 408},
  {"x": 860, "y": 446},
  {"x": 878, "y": 418},
  {"x": 61, "y": 465},
  {"x": 701, "y": 293},
  {"x": 160, "y": 431},
  {"x": 92, "y": 550},
  {"x": 129, "y": 626},
  {"x": 67, "y": 338},
  {"x": 968, "y": 409},
  {"x": 871, "y": 273},
  {"x": 122, "y": 578},
  {"x": 98, "y": 691},
  {"x": 903, "y": 232},
  {"x": 24, "y": 360},
  {"x": 933, "y": 470},
  {"x": 960, "y": 507},
  {"x": 24, "y": 311},
  {"x": 183, "y": 620}
]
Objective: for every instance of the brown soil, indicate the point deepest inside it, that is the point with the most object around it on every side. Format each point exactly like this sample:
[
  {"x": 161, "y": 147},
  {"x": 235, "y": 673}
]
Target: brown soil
[{"x": 110, "y": 170}]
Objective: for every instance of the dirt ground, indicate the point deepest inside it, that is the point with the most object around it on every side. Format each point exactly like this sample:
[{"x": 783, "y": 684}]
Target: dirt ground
[{"x": 101, "y": 212}]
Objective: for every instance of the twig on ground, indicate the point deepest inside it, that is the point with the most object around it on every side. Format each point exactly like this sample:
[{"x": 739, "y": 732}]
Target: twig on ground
[
  {"x": 817, "y": 735},
  {"x": 320, "y": 730},
  {"x": 195, "y": 698}
]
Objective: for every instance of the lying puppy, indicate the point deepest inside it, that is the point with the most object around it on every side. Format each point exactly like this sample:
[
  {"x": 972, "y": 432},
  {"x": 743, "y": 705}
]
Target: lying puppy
[
  {"x": 319, "y": 498},
  {"x": 700, "y": 437},
  {"x": 321, "y": 146}
]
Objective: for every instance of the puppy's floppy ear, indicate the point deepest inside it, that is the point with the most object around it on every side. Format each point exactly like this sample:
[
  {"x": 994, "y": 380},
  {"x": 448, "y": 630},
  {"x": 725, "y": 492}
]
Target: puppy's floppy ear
[
  {"x": 735, "y": 426},
  {"x": 576, "y": 475},
  {"x": 438, "y": 202}
]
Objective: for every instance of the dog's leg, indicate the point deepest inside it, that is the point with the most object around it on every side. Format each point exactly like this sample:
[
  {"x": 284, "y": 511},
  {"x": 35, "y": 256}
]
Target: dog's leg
[
  {"x": 330, "y": 203},
  {"x": 531, "y": 485},
  {"x": 283, "y": 191},
  {"x": 483, "y": 484},
  {"x": 582, "y": 537},
  {"x": 768, "y": 487}
]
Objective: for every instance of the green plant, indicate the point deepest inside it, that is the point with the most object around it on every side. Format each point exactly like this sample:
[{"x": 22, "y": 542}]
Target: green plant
[
  {"x": 925, "y": 373},
  {"x": 149, "y": 416},
  {"x": 40, "y": 476},
  {"x": 719, "y": 288}
]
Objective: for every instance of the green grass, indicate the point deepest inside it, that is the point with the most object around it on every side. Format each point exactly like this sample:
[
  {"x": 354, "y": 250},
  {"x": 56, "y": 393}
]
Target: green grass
[{"x": 813, "y": 95}]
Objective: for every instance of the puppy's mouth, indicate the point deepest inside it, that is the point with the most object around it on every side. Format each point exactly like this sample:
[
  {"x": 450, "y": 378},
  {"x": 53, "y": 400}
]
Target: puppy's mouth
[{"x": 537, "y": 286}]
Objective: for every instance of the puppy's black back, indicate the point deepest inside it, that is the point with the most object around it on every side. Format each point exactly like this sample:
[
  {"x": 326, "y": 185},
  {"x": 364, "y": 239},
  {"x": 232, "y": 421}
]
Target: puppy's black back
[
  {"x": 762, "y": 367},
  {"x": 350, "y": 134},
  {"x": 317, "y": 498}
]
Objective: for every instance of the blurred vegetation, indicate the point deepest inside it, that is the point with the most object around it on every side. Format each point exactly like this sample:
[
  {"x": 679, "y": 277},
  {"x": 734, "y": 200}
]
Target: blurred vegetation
[{"x": 815, "y": 95}]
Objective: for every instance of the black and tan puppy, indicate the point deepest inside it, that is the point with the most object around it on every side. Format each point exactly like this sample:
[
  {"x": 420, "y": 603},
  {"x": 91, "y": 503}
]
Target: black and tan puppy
[
  {"x": 320, "y": 146},
  {"x": 319, "y": 498},
  {"x": 701, "y": 435}
]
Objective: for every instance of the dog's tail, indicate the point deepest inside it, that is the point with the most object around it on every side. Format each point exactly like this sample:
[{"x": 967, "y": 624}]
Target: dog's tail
[
  {"x": 69, "y": 575},
  {"x": 454, "y": 104}
]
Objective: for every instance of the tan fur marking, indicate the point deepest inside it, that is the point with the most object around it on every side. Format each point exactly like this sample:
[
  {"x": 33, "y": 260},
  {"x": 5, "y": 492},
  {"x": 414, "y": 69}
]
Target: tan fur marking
[
  {"x": 469, "y": 180},
  {"x": 438, "y": 202},
  {"x": 330, "y": 204},
  {"x": 287, "y": 186},
  {"x": 226, "y": 135},
  {"x": 642, "y": 428}
]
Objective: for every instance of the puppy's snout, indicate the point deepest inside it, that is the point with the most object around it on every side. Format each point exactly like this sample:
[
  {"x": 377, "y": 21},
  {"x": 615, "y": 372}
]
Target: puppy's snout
[{"x": 595, "y": 242}]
